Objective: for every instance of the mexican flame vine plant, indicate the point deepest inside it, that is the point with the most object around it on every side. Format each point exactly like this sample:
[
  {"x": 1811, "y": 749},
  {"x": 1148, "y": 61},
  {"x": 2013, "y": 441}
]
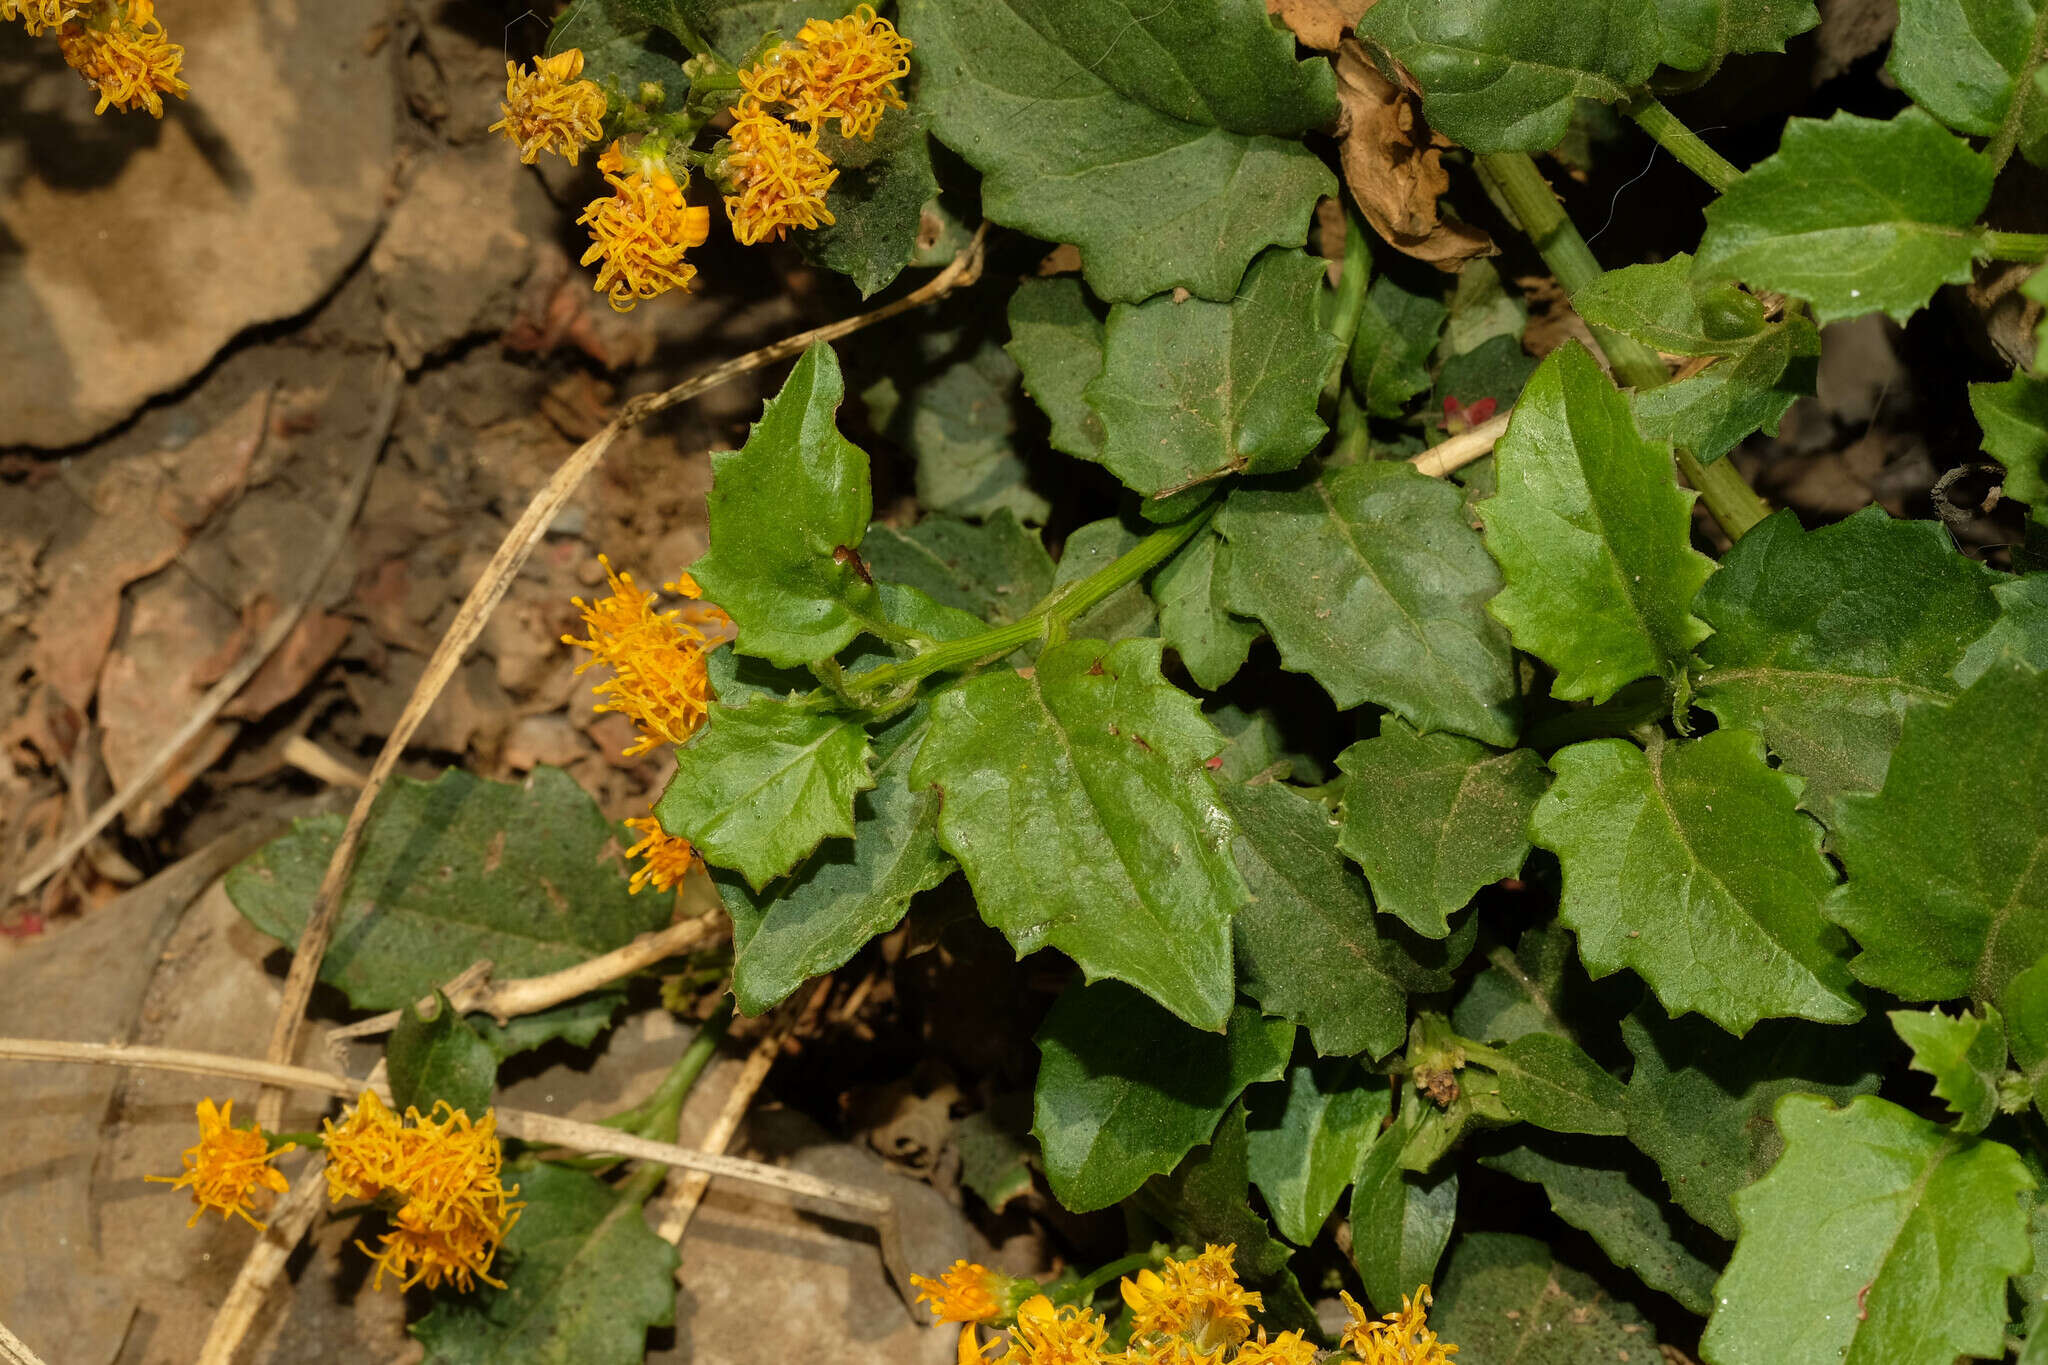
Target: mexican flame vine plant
[{"x": 1522, "y": 892}]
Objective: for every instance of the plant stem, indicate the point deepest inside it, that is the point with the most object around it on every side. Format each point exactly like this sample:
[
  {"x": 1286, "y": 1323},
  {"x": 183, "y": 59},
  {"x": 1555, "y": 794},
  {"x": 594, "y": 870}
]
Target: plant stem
[
  {"x": 1051, "y": 615},
  {"x": 2015, "y": 246},
  {"x": 1082, "y": 1290},
  {"x": 1683, "y": 143},
  {"x": 1350, "y": 298},
  {"x": 1729, "y": 498},
  {"x": 655, "y": 1116}
]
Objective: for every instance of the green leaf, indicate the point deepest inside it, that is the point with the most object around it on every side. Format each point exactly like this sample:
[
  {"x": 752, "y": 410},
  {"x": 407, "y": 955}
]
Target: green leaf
[
  {"x": 2020, "y": 633},
  {"x": 1432, "y": 818},
  {"x": 1973, "y": 64},
  {"x": 1090, "y": 121},
  {"x": 2026, "y": 1032},
  {"x": 1306, "y": 1141},
  {"x": 994, "y": 1161},
  {"x": 1668, "y": 307},
  {"x": 585, "y": 1277},
  {"x": 735, "y": 27},
  {"x": 1309, "y": 946},
  {"x": 1714, "y": 411},
  {"x": 761, "y": 784},
  {"x": 1965, "y": 1055},
  {"x": 1397, "y": 333},
  {"x": 1079, "y": 803},
  {"x": 955, "y": 414},
  {"x": 1822, "y": 639},
  {"x": 1191, "y": 391},
  {"x": 1194, "y": 618},
  {"x": 816, "y": 918},
  {"x": 1692, "y": 844},
  {"x": 1699, "y": 33},
  {"x": 1502, "y": 75},
  {"x": 780, "y": 508},
  {"x": 622, "y": 53},
  {"x": 1056, "y": 340},
  {"x": 1125, "y": 1090},
  {"x": 1126, "y": 613},
  {"x": 1945, "y": 892},
  {"x": 1853, "y": 215},
  {"x": 2036, "y": 287},
  {"x": 526, "y": 874},
  {"x": 877, "y": 203},
  {"x": 996, "y": 570},
  {"x": 1593, "y": 535},
  {"x": 1700, "y": 1102},
  {"x": 578, "y": 1023},
  {"x": 1534, "y": 989},
  {"x": 1377, "y": 552},
  {"x": 2014, "y": 416},
  {"x": 1254, "y": 746},
  {"x": 1482, "y": 311},
  {"x": 1503, "y": 1299},
  {"x": 440, "y": 1059},
  {"x": 1595, "y": 1190},
  {"x": 1400, "y": 1220},
  {"x": 1878, "y": 1237},
  {"x": 1548, "y": 1080}
]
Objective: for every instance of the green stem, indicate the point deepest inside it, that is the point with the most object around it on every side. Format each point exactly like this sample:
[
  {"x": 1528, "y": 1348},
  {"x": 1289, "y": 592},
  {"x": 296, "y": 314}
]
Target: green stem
[
  {"x": 1729, "y": 498},
  {"x": 1682, "y": 142},
  {"x": 1350, "y": 301},
  {"x": 647, "y": 1177},
  {"x": 655, "y": 1117},
  {"x": 1085, "y": 1289},
  {"x": 2015, "y": 246},
  {"x": 1050, "y": 616}
]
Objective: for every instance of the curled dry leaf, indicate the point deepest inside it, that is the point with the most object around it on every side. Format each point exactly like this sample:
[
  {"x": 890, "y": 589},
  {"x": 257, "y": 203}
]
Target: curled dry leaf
[
  {"x": 1394, "y": 167},
  {"x": 1321, "y": 24}
]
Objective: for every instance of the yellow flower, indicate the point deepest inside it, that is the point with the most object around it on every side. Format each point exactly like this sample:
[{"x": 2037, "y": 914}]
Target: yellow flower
[
  {"x": 641, "y": 232},
  {"x": 227, "y": 1166},
  {"x": 1198, "y": 1300},
  {"x": 37, "y": 15},
  {"x": 441, "y": 1174},
  {"x": 120, "y": 49},
  {"x": 1289, "y": 1348},
  {"x": 777, "y": 174},
  {"x": 849, "y": 71},
  {"x": 1045, "y": 1335},
  {"x": 966, "y": 1293},
  {"x": 550, "y": 110},
  {"x": 656, "y": 657},
  {"x": 668, "y": 858},
  {"x": 1403, "y": 1338}
]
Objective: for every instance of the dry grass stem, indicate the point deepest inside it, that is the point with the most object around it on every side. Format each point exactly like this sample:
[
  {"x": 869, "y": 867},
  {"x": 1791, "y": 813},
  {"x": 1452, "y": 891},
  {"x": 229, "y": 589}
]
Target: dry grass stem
[{"x": 1462, "y": 449}]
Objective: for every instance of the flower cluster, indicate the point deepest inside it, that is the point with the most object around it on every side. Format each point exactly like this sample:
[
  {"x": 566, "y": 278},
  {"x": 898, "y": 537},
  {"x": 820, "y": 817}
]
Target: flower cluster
[
  {"x": 658, "y": 681},
  {"x": 228, "y": 1165},
  {"x": 638, "y": 235},
  {"x": 439, "y": 1176},
  {"x": 1188, "y": 1312},
  {"x": 117, "y": 45},
  {"x": 777, "y": 174},
  {"x": 550, "y": 109}
]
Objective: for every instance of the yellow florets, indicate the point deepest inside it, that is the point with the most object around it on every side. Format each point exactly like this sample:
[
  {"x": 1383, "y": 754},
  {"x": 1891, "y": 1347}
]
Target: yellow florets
[
  {"x": 227, "y": 1166},
  {"x": 850, "y": 68},
  {"x": 657, "y": 659},
  {"x": 549, "y": 109},
  {"x": 777, "y": 174},
  {"x": 966, "y": 1293},
  {"x": 121, "y": 50},
  {"x": 669, "y": 859},
  {"x": 1403, "y": 1338},
  {"x": 641, "y": 231},
  {"x": 1198, "y": 1300},
  {"x": 1045, "y": 1335},
  {"x": 443, "y": 1172},
  {"x": 37, "y": 15}
]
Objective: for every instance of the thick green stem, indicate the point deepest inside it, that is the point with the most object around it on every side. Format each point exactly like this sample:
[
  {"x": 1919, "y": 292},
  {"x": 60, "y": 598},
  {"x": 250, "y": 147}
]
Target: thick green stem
[
  {"x": 2015, "y": 246},
  {"x": 1050, "y": 616},
  {"x": 1729, "y": 498},
  {"x": 1350, "y": 299},
  {"x": 655, "y": 1117},
  {"x": 1682, "y": 142}
]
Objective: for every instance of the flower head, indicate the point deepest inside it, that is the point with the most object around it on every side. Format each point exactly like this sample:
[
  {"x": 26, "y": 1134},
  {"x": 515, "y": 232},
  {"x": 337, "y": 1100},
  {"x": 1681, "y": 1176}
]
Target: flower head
[
  {"x": 227, "y": 1166},
  {"x": 1045, "y": 1335},
  {"x": 656, "y": 657},
  {"x": 849, "y": 70},
  {"x": 121, "y": 50},
  {"x": 641, "y": 231},
  {"x": 1197, "y": 1301},
  {"x": 777, "y": 175},
  {"x": 966, "y": 1293},
  {"x": 549, "y": 109},
  {"x": 1289, "y": 1348},
  {"x": 37, "y": 15},
  {"x": 1403, "y": 1338},
  {"x": 668, "y": 858},
  {"x": 441, "y": 1176}
]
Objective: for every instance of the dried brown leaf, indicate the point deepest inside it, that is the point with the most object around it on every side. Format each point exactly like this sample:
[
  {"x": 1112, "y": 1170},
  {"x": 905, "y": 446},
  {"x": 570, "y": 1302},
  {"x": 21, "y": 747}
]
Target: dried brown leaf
[
  {"x": 1394, "y": 167},
  {"x": 1321, "y": 24}
]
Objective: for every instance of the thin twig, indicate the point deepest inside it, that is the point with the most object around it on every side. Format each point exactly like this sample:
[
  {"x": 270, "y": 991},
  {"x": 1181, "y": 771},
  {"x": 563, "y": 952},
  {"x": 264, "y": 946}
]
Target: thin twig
[
  {"x": 274, "y": 634},
  {"x": 472, "y": 991},
  {"x": 289, "y": 1221},
  {"x": 476, "y": 608},
  {"x": 1462, "y": 449},
  {"x": 15, "y": 1351}
]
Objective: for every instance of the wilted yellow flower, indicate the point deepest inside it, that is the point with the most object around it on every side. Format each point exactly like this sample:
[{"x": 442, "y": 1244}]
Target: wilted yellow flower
[
  {"x": 121, "y": 50},
  {"x": 849, "y": 71},
  {"x": 778, "y": 176},
  {"x": 656, "y": 657},
  {"x": 443, "y": 1174},
  {"x": 227, "y": 1166},
  {"x": 641, "y": 231},
  {"x": 1198, "y": 1301},
  {"x": 966, "y": 1293},
  {"x": 549, "y": 109},
  {"x": 775, "y": 78},
  {"x": 37, "y": 15},
  {"x": 668, "y": 858},
  {"x": 1403, "y": 1338},
  {"x": 1045, "y": 1335},
  {"x": 1289, "y": 1348}
]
